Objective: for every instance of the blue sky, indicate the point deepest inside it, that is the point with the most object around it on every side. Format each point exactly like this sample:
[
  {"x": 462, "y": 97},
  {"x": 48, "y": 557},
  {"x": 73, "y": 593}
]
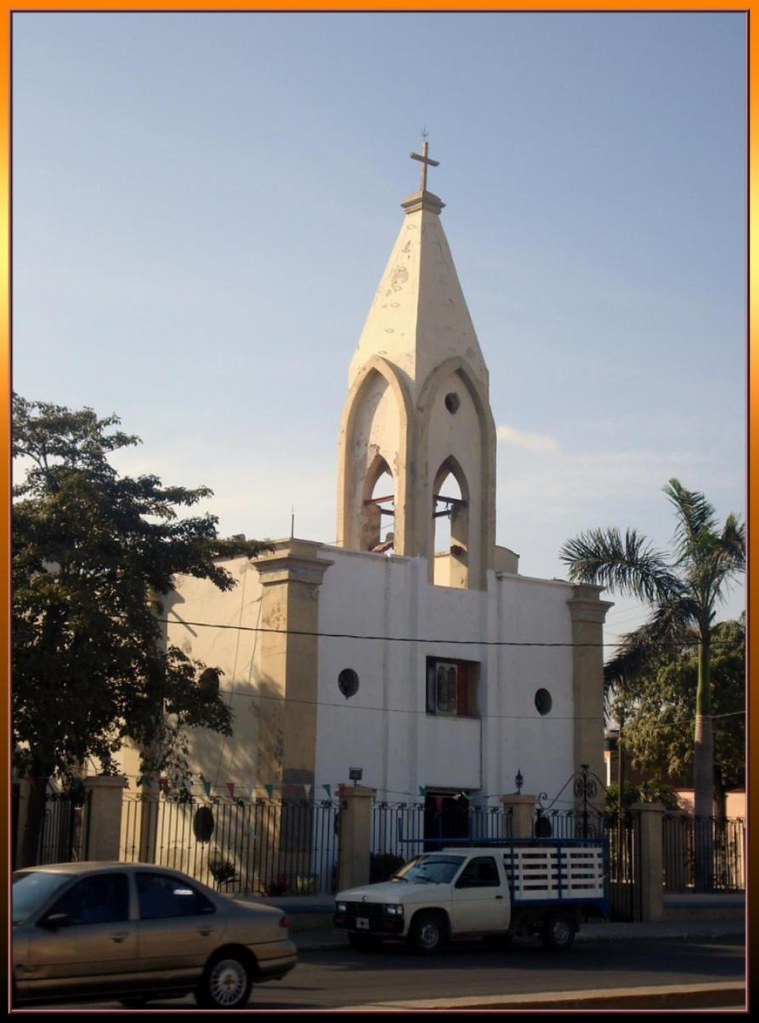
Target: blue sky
[{"x": 203, "y": 205}]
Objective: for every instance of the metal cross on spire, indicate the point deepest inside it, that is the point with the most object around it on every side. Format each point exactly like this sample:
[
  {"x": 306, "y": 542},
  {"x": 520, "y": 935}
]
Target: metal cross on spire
[{"x": 425, "y": 162}]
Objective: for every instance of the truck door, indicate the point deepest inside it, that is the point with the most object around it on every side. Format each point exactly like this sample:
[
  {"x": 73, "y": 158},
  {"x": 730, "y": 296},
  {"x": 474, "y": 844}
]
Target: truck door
[{"x": 480, "y": 900}]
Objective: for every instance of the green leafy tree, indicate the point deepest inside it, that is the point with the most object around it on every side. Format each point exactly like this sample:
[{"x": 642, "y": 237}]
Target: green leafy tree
[
  {"x": 659, "y": 719},
  {"x": 683, "y": 591},
  {"x": 93, "y": 552}
]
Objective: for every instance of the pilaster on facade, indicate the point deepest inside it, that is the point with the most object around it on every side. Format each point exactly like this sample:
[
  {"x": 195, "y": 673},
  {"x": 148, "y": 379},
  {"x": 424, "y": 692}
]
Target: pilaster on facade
[
  {"x": 292, "y": 561},
  {"x": 586, "y": 606},
  {"x": 290, "y": 575},
  {"x": 588, "y": 613}
]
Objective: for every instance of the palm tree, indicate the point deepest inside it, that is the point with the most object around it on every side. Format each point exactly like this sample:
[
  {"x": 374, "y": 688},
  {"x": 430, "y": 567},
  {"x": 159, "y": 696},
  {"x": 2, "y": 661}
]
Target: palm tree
[{"x": 682, "y": 591}]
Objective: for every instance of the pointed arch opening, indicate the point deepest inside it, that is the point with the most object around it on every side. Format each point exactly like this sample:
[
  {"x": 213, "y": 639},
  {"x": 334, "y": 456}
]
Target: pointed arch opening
[
  {"x": 378, "y": 510},
  {"x": 450, "y": 524}
]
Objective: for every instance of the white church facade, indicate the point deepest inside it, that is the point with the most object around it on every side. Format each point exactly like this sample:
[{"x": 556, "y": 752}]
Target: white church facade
[{"x": 412, "y": 649}]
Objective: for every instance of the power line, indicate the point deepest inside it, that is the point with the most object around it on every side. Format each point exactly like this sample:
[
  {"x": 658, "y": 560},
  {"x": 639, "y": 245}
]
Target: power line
[
  {"x": 316, "y": 634},
  {"x": 287, "y": 700}
]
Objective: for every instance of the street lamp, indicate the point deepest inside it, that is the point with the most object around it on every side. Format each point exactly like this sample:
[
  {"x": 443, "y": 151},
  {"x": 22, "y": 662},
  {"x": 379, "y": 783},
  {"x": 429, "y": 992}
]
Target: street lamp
[{"x": 519, "y": 781}]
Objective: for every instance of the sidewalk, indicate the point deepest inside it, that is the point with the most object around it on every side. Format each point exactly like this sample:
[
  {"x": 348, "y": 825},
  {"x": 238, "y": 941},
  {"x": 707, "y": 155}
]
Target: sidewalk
[{"x": 710, "y": 917}]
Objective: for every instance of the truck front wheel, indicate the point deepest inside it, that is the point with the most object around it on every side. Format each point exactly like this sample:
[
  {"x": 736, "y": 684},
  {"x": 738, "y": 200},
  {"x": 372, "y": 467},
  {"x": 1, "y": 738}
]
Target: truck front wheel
[
  {"x": 428, "y": 934},
  {"x": 558, "y": 931}
]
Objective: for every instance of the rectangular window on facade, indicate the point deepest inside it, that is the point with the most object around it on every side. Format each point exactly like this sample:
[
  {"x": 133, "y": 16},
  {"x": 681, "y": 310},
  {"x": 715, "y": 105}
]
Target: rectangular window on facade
[{"x": 452, "y": 687}]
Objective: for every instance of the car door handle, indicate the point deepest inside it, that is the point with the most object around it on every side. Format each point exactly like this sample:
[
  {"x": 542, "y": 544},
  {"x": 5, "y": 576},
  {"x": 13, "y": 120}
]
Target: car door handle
[
  {"x": 120, "y": 936},
  {"x": 499, "y": 896},
  {"x": 205, "y": 931}
]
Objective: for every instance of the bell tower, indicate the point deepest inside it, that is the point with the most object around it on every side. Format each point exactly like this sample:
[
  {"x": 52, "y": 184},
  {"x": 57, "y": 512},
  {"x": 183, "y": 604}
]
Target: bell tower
[{"x": 416, "y": 461}]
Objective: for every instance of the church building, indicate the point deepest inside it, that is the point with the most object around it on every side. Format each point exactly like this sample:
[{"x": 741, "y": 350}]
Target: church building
[{"x": 412, "y": 653}]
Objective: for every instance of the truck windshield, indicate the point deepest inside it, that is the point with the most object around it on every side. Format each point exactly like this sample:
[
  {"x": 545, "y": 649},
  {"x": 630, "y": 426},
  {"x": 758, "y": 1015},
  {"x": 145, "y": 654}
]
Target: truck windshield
[{"x": 434, "y": 869}]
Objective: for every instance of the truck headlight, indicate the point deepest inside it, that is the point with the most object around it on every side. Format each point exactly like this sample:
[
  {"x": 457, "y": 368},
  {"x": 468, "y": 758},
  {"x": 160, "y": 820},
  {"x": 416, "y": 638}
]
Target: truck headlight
[{"x": 394, "y": 910}]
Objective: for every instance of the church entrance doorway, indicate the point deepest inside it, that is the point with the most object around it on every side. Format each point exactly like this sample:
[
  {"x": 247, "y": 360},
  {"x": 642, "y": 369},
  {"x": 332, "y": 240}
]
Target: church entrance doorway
[{"x": 446, "y": 816}]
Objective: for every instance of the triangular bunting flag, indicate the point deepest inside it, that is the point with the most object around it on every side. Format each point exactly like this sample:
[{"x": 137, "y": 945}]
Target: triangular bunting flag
[
  {"x": 307, "y": 789},
  {"x": 231, "y": 787},
  {"x": 422, "y": 790},
  {"x": 164, "y": 783},
  {"x": 207, "y": 786},
  {"x": 328, "y": 790},
  {"x": 269, "y": 790}
]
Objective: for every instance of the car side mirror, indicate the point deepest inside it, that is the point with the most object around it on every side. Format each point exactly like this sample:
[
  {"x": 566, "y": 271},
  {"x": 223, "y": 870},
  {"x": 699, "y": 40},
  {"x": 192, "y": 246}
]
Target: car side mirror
[{"x": 55, "y": 920}]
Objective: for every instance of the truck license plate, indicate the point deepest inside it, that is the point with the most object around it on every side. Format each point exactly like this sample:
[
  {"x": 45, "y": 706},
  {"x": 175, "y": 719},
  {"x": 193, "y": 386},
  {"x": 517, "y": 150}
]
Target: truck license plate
[{"x": 362, "y": 923}]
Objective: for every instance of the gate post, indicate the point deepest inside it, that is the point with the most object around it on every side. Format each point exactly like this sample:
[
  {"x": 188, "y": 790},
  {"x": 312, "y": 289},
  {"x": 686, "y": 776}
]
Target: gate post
[
  {"x": 651, "y": 873},
  {"x": 102, "y": 826},
  {"x": 21, "y": 810},
  {"x": 520, "y": 810},
  {"x": 353, "y": 865}
]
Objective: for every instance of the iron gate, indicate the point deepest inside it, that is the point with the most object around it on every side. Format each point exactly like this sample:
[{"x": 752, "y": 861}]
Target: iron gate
[{"x": 262, "y": 846}]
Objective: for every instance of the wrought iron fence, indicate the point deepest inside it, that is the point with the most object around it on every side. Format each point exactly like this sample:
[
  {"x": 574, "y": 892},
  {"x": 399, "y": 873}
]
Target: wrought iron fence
[
  {"x": 402, "y": 830},
  {"x": 588, "y": 823},
  {"x": 262, "y": 847},
  {"x": 721, "y": 841},
  {"x": 397, "y": 834},
  {"x": 63, "y": 836}
]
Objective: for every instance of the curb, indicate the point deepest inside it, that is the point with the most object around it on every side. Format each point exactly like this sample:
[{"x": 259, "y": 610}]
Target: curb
[{"x": 723, "y": 995}]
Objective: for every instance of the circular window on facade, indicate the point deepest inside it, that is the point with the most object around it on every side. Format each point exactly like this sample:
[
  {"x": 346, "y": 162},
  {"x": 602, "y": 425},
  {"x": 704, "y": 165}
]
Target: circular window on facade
[
  {"x": 347, "y": 682},
  {"x": 203, "y": 823},
  {"x": 452, "y": 402},
  {"x": 543, "y": 701}
]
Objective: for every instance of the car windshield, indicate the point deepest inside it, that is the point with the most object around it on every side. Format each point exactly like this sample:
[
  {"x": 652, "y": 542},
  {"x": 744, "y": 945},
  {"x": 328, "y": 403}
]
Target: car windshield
[
  {"x": 32, "y": 888},
  {"x": 434, "y": 869}
]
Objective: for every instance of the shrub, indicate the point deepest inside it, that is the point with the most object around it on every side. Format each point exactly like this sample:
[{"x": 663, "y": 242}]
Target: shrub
[{"x": 222, "y": 870}]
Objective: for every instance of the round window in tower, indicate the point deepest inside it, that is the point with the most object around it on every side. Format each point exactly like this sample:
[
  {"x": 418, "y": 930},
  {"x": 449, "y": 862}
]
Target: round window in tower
[
  {"x": 452, "y": 402},
  {"x": 543, "y": 701}
]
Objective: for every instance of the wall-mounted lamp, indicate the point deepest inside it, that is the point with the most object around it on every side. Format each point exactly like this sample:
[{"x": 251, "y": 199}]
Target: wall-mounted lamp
[
  {"x": 519, "y": 781},
  {"x": 355, "y": 774}
]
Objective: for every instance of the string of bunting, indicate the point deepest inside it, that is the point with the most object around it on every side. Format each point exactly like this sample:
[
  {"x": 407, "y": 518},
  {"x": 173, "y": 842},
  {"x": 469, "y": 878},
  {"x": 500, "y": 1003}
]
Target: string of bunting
[{"x": 287, "y": 790}]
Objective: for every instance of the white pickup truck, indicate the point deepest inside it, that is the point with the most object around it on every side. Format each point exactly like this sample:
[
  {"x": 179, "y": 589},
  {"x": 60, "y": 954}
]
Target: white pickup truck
[{"x": 529, "y": 887}]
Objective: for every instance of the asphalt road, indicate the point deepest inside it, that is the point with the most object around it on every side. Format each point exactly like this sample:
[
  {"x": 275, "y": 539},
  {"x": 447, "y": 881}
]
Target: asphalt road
[
  {"x": 349, "y": 979},
  {"x": 663, "y": 974}
]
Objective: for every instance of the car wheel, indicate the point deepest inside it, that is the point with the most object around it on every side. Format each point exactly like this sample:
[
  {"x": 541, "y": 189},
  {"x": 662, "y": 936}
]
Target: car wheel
[
  {"x": 364, "y": 942},
  {"x": 428, "y": 934},
  {"x": 558, "y": 931},
  {"x": 226, "y": 982}
]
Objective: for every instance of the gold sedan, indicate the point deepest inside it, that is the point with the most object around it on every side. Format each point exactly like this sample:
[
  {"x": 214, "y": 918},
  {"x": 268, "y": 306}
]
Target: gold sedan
[{"x": 134, "y": 932}]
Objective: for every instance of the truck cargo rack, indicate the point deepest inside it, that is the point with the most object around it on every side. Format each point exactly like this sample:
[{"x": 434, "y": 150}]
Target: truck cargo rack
[{"x": 547, "y": 870}]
